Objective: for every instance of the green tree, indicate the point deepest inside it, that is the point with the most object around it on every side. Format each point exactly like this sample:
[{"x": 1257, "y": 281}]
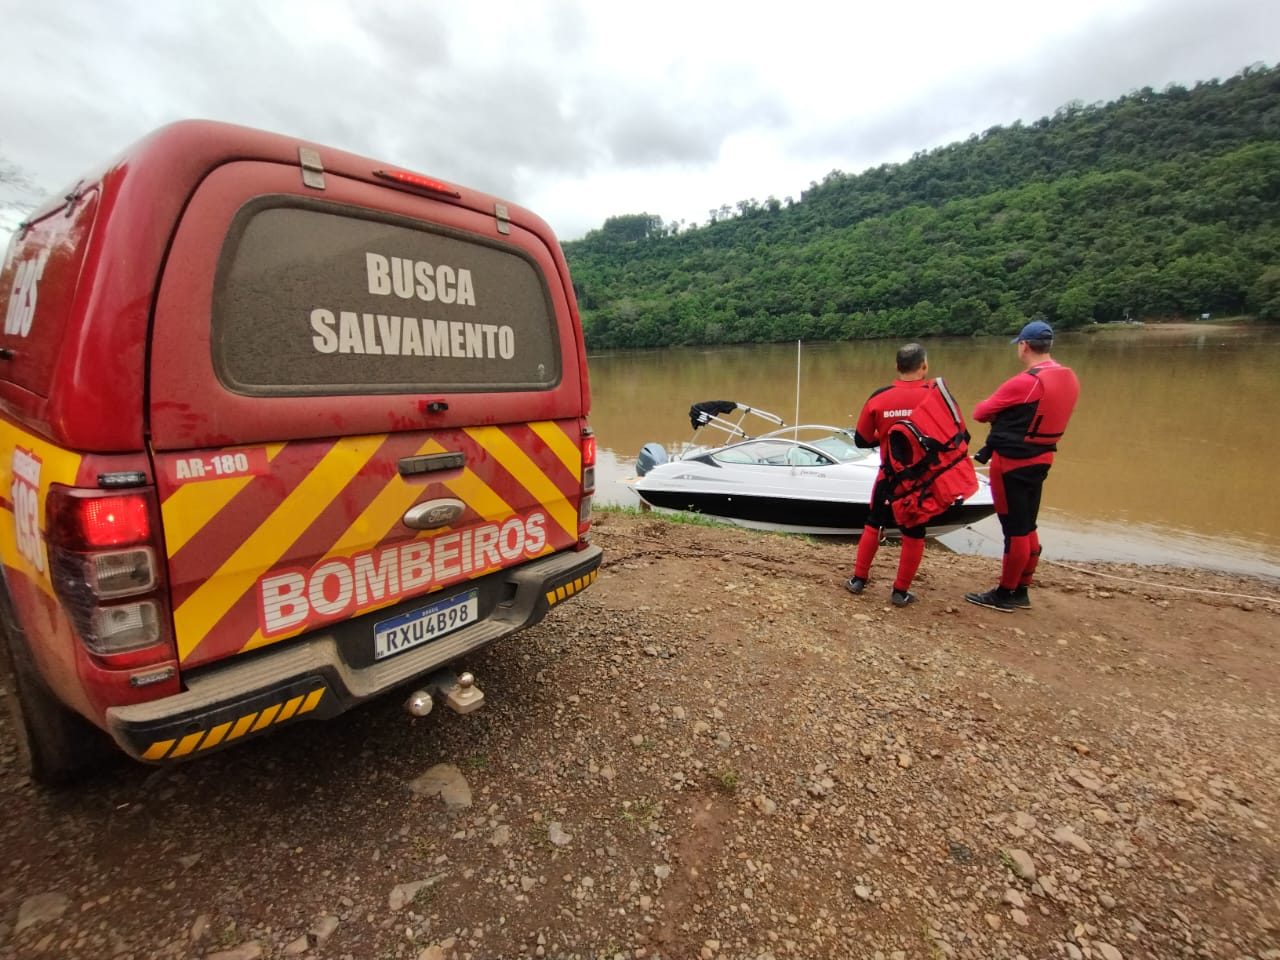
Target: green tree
[
  {"x": 1264, "y": 296},
  {"x": 1075, "y": 307},
  {"x": 969, "y": 315}
]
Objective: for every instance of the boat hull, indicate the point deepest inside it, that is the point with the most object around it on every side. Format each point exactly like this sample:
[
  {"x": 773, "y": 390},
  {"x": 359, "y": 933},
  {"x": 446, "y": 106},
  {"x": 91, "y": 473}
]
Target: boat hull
[
  {"x": 822, "y": 517},
  {"x": 807, "y": 479}
]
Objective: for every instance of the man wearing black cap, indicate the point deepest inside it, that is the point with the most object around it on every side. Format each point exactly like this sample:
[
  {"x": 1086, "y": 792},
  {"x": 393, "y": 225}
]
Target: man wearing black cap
[{"x": 1028, "y": 415}]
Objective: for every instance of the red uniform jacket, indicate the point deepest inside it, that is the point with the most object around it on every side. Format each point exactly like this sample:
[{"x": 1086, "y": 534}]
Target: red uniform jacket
[{"x": 884, "y": 408}]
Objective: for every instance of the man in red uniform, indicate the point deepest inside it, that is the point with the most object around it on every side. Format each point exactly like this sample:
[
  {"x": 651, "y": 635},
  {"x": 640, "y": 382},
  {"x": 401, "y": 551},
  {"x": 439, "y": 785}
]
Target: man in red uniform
[
  {"x": 1028, "y": 415},
  {"x": 884, "y": 408}
]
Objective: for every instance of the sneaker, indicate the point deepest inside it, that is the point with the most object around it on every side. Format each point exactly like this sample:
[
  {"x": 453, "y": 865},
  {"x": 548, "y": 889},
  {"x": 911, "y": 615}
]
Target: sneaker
[
  {"x": 1021, "y": 599},
  {"x": 997, "y": 598},
  {"x": 855, "y": 584},
  {"x": 902, "y": 597}
]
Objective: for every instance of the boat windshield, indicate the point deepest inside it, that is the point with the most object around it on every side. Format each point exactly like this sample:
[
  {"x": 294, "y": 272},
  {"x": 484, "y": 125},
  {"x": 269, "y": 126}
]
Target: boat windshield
[
  {"x": 839, "y": 446},
  {"x": 774, "y": 453},
  {"x": 832, "y": 448}
]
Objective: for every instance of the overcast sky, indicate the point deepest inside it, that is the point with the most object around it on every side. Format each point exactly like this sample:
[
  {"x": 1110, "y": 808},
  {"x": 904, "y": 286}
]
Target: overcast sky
[{"x": 581, "y": 111}]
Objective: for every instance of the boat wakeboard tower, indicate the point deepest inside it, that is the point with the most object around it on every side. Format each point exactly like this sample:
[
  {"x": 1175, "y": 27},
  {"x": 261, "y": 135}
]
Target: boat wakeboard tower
[{"x": 713, "y": 415}]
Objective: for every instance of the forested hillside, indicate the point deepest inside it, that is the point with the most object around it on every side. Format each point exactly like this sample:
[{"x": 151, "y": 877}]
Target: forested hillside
[{"x": 1155, "y": 205}]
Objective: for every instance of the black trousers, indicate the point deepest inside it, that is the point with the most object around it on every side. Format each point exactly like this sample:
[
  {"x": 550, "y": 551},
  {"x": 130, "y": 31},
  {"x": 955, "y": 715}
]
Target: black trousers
[{"x": 1017, "y": 496}]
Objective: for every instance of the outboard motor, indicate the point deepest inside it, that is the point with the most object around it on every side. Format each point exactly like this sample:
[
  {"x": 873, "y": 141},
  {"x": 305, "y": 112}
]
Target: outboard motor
[{"x": 651, "y": 454}]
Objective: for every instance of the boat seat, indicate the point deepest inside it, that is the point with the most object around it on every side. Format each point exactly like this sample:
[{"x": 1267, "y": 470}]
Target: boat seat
[{"x": 802, "y": 457}]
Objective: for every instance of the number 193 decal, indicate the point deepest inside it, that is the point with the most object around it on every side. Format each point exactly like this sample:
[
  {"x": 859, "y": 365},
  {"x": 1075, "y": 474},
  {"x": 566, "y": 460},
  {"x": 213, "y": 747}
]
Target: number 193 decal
[{"x": 26, "y": 506}]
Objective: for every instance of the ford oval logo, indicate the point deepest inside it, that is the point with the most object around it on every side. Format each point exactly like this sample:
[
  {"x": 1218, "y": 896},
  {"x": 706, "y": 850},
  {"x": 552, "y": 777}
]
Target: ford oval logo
[{"x": 433, "y": 513}]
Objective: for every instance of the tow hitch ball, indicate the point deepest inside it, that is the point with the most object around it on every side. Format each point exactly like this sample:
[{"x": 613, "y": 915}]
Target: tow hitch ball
[{"x": 460, "y": 694}]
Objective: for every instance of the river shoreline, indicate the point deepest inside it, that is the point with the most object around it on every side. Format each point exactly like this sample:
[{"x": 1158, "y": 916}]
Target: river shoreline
[{"x": 1191, "y": 487}]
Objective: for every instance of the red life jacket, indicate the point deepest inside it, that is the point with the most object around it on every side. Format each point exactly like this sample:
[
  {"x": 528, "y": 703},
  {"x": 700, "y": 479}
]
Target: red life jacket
[
  {"x": 1061, "y": 388},
  {"x": 927, "y": 459},
  {"x": 1033, "y": 428}
]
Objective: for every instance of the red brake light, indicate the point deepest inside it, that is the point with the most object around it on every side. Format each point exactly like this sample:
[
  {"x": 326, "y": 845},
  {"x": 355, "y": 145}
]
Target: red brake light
[
  {"x": 115, "y": 521},
  {"x": 106, "y": 574},
  {"x": 82, "y": 521},
  {"x": 416, "y": 180},
  {"x": 588, "y": 485}
]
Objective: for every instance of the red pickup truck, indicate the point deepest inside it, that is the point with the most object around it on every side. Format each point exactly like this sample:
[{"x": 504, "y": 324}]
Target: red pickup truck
[{"x": 282, "y": 429}]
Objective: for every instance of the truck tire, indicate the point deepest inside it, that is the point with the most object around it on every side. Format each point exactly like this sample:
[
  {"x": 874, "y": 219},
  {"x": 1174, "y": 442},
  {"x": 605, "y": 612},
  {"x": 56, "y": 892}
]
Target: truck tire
[{"x": 56, "y": 745}]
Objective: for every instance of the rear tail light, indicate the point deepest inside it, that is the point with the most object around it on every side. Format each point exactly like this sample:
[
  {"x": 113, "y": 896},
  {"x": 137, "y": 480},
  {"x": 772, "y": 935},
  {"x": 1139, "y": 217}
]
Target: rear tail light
[
  {"x": 122, "y": 573},
  {"x": 588, "y": 460},
  {"x": 588, "y": 485},
  {"x": 107, "y": 574},
  {"x": 115, "y": 521},
  {"x": 125, "y": 627}
]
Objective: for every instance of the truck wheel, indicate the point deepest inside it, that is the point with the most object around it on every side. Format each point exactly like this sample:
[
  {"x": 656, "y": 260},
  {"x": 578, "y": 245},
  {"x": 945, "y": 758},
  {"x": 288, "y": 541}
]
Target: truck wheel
[{"x": 56, "y": 745}]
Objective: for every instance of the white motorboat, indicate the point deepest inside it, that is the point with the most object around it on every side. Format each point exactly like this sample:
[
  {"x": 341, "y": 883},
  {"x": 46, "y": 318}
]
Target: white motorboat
[{"x": 801, "y": 479}]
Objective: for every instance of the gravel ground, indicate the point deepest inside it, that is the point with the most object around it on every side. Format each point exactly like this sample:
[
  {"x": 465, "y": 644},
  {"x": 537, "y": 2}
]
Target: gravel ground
[{"x": 717, "y": 752}]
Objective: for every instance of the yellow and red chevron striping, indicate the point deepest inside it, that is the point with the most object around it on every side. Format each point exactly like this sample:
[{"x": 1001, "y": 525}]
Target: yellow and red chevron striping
[
  {"x": 331, "y": 533},
  {"x": 205, "y": 522},
  {"x": 546, "y": 457},
  {"x": 225, "y": 534}
]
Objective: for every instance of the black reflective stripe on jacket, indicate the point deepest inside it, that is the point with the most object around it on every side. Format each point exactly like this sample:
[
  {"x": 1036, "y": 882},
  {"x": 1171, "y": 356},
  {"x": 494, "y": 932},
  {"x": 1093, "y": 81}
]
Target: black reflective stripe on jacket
[{"x": 1011, "y": 432}]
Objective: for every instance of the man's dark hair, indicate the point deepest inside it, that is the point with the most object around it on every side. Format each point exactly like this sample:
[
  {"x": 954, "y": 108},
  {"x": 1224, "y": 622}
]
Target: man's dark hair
[
  {"x": 1039, "y": 346},
  {"x": 911, "y": 358}
]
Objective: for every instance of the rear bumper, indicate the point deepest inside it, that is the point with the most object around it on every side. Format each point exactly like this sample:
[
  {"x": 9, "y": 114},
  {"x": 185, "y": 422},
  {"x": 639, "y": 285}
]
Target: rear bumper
[{"x": 312, "y": 679}]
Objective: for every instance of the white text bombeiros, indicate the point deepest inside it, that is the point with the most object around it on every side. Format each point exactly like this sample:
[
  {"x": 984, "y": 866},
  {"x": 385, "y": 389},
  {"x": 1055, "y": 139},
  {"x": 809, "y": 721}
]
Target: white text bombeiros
[{"x": 340, "y": 587}]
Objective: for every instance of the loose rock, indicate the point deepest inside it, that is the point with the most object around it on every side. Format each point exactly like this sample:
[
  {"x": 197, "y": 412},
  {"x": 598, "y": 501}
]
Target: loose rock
[{"x": 447, "y": 782}]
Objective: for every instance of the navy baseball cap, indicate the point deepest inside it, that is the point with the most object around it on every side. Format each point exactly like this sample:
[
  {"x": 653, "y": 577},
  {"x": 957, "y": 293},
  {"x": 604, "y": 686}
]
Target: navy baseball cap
[{"x": 1035, "y": 330}]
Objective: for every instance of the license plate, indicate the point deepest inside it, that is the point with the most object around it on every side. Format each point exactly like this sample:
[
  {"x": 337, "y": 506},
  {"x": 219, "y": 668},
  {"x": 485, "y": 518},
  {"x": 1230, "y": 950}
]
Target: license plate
[{"x": 417, "y": 627}]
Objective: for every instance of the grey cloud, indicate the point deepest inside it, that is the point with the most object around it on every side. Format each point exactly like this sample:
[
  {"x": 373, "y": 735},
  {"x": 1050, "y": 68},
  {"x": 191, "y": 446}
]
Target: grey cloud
[
  {"x": 1098, "y": 61},
  {"x": 409, "y": 35},
  {"x": 644, "y": 133},
  {"x": 464, "y": 115},
  {"x": 642, "y": 127},
  {"x": 499, "y": 124},
  {"x": 406, "y": 84},
  {"x": 1175, "y": 42},
  {"x": 477, "y": 127},
  {"x": 567, "y": 28},
  {"x": 484, "y": 114},
  {"x": 417, "y": 85},
  {"x": 57, "y": 115}
]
